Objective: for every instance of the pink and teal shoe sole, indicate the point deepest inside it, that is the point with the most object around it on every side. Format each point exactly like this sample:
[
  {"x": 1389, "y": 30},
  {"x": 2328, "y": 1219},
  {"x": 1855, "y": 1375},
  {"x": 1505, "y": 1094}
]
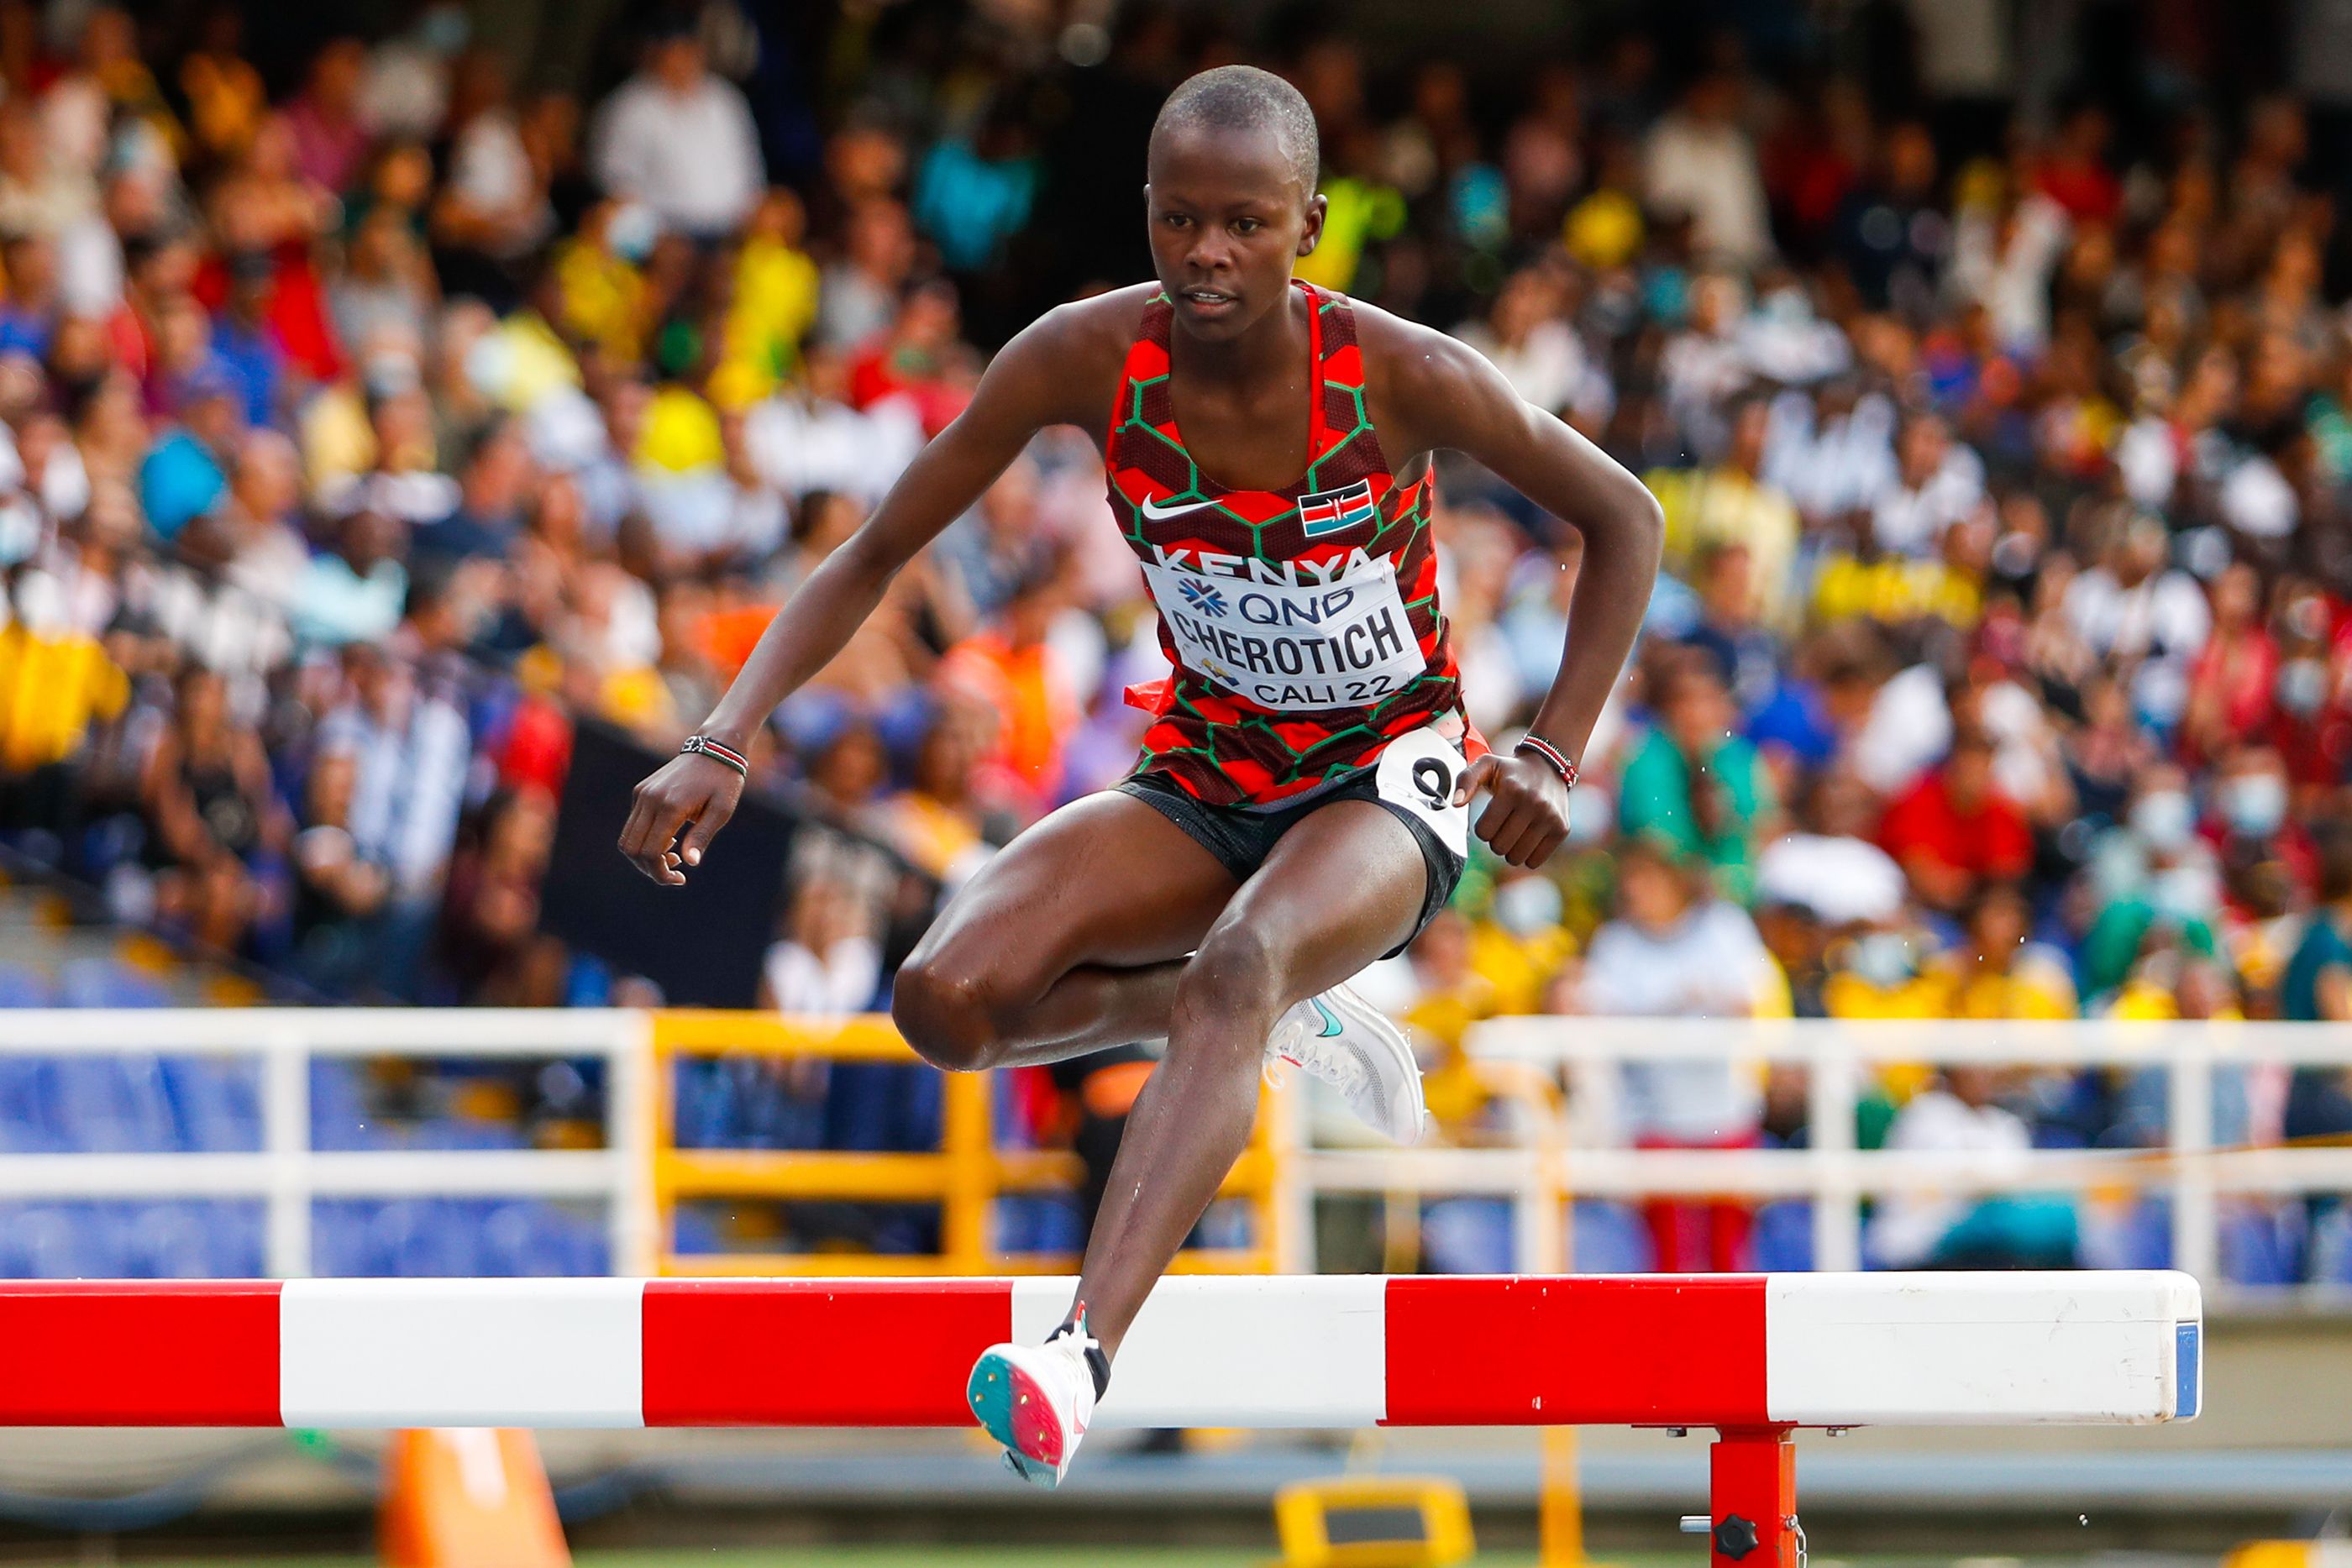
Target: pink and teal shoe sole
[{"x": 1014, "y": 1410}]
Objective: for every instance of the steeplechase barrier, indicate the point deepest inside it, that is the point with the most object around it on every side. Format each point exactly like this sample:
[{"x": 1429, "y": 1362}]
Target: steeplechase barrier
[{"x": 1755, "y": 1357}]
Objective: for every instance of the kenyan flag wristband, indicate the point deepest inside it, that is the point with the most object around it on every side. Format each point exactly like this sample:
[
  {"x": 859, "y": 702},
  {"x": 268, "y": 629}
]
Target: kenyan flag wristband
[
  {"x": 703, "y": 746},
  {"x": 1551, "y": 754}
]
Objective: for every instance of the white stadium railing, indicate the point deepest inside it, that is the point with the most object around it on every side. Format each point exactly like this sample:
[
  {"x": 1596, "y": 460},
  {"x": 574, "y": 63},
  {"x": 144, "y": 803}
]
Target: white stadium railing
[
  {"x": 288, "y": 1174},
  {"x": 1840, "y": 1058},
  {"x": 1558, "y": 1147}
]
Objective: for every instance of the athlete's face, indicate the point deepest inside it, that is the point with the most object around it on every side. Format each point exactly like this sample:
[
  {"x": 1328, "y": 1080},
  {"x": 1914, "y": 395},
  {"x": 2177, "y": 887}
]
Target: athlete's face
[{"x": 1227, "y": 221}]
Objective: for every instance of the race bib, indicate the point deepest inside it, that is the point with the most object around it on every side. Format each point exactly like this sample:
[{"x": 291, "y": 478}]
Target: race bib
[
  {"x": 1295, "y": 647},
  {"x": 1420, "y": 772}
]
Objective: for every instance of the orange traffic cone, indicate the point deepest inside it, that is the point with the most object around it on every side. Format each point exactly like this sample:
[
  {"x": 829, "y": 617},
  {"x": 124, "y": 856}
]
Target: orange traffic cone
[{"x": 470, "y": 1497}]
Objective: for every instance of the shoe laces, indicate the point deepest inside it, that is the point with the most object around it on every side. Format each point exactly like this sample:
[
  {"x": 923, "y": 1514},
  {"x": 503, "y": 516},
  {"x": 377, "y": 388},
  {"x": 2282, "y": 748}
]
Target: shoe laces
[
  {"x": 1073, "y": 1339},
  {"x": 1342, "y": 1069},
  {"x": 1282, "y": 1048}
]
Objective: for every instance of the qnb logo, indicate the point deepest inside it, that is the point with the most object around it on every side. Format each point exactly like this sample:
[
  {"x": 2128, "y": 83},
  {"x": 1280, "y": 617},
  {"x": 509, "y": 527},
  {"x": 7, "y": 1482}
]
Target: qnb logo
[{"x": 1202, "y": 597}]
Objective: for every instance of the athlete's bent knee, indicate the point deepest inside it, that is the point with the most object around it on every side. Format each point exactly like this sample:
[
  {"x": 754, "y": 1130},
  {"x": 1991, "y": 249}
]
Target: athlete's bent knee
[
  {"x": 1239, "y": 973},
  {"x": 946, "y": 1016}
]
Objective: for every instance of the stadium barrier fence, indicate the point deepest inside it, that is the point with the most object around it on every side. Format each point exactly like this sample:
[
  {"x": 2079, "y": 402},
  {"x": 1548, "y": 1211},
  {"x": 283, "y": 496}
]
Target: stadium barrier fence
[{"x": 1553, "y": 1079}]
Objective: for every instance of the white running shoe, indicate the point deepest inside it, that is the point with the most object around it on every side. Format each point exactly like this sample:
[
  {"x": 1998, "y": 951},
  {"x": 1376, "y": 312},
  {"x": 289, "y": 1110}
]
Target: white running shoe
[
  {"x": 1036, "y": 1400},
  {"x": 1350, "y": 1044}
]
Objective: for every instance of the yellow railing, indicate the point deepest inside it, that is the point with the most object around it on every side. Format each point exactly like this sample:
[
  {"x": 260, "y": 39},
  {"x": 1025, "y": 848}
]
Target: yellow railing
[{"x": 964, "y": 1177}]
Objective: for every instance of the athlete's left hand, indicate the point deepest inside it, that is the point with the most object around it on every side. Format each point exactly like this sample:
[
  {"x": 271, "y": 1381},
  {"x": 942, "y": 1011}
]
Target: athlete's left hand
[{"x": 1527, "y": 811}]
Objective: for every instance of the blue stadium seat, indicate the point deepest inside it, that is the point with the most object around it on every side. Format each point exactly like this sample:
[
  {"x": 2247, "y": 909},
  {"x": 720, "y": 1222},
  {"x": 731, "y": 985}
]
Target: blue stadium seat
[
  {"x": 50, "y": 1242},
  {"x": 190, "y": 1239},
  {"x": 425, "y": 1238},
  {"x": 694, "y": 1231},
  {"x": 871, "y": 1105},
  {"x": 1469, "y": 1235},
  {"x": 2262, "y": 1244},
  {"x": 216, "y": 1105},
  {"x": 455, "y": 1236},
  {"x": 2330, "y": 1255},
  {"x": 518, "y": 1240},
  {"x": 339, "y": 1118},
  {"x": 110, "y": 983},
  {"x": 2147, "y": 1237},
  {"x": 1039, "y": 1222},
  {"x": 165, "y": 1241},
  {"x": 27, "y": 1120},
  {"x": 1783, "y": 1238},
  {"x": 1610, "y": 1239},
  {"x": 22, "y": 985},
  {"x": 111, "y": 1104}
]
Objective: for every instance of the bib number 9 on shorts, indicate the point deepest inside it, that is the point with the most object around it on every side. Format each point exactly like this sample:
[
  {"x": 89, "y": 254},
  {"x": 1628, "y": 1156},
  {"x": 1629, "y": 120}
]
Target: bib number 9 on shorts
[
  {"x": 1419, "y": 772},
  {"x": 1435, "y": 780}
]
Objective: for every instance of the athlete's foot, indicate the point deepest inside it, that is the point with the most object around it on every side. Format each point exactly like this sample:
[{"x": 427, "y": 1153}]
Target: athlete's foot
[
  {"x": 1036, "y": 1400},
  {"x": 1350, "y": 1044}
]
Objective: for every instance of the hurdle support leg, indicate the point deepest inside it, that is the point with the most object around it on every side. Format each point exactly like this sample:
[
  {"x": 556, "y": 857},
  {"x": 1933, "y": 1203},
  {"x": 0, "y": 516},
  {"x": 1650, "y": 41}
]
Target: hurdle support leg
[{"x": 1752, "y": 1498}]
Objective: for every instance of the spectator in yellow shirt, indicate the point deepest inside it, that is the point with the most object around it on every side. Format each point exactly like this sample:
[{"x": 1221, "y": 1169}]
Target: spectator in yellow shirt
[
  {"x": 1731, "y": 504},
  {"x": 602, "y": 295},
  {"x": 53, "y": 686},
  {"x": 1520, "y": 943},
  {"x": 773, "y": 306},
  {"x": 1998, "y": 973},
  {"x": 1453, "y": 995}
]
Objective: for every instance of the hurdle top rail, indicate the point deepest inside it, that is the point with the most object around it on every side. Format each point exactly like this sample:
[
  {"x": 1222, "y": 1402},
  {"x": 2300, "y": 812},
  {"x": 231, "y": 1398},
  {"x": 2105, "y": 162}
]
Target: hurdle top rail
[
  {"x": 1753, "y": 1356},
  {"x": 1811, "y": 1350}
]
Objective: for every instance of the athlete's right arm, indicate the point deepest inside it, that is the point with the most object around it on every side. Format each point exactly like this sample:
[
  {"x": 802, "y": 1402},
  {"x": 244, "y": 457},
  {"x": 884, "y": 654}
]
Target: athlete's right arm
[{"x": 1035, "y": 380}]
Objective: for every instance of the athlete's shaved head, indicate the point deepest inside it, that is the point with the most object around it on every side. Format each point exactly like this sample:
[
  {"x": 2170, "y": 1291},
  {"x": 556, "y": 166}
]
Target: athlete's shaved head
[{"x": 1244, "y": 98}]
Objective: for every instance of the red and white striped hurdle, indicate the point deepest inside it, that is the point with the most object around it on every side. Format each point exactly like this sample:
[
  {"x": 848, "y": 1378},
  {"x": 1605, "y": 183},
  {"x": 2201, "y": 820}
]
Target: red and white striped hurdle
[{"x": 1753, "y": 1356}]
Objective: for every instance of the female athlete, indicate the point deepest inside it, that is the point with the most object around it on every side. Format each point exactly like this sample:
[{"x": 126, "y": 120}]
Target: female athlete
[{"x": 1302, "y": 804}]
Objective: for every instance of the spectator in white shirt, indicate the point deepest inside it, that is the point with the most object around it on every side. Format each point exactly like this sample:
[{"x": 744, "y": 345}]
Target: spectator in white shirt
[
  {"x": 1831, "y": 451},
  {"x": 1529, "y": 338},
  {"x": 858, "y": 297},
  {"x": 1829, "y": 868},
  {"x": 806, "y": 437},
  {"x": 1700, "y": 159},
  {"x": 267, "y": 554},
  {"x": 2003, "y": 260},
  {"x": 1704, "y": 366},
  {"x": 1937, "y": 481},
  {"x": 1675, "y": 952},
  {"x": 2133, "y": 608},
  {"x": 682, "y": 141},
  {"x": 413, "y": 750},
  {"x": 826, "y": 963},
  {"x": 1912, "y": 1229}
]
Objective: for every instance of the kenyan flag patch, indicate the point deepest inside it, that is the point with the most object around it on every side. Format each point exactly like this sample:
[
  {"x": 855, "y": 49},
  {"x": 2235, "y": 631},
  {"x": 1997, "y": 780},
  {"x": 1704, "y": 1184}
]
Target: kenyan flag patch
[{"x": 1336, "y": 511}]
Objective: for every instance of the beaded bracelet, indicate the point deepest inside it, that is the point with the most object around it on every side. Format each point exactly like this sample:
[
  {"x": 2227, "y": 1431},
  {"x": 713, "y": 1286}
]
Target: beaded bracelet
[
  {"x": 703, "y": 746},
  {"x": 1551, "y": 754}
]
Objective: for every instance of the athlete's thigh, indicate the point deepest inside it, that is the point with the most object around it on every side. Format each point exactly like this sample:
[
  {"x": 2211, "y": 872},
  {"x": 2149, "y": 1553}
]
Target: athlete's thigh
[
  {"x": 1341, "y": 888},
  {"x": 1105, "y": 880}
]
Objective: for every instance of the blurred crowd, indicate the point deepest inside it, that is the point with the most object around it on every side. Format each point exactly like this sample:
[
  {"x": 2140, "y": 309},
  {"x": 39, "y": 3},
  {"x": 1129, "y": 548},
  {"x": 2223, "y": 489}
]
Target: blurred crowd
[{"x": 367, "y": 428}]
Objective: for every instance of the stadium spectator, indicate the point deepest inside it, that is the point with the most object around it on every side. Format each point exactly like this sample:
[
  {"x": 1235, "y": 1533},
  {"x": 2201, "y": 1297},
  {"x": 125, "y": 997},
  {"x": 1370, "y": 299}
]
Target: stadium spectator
[
  {"x": 1958, "y": 1114},
  {"x": 1694, "y": 785},
  {"x": 1675, "y": 951},
  {"x": 1954, "y": 831},
  {"x": 681, "y": 140}
]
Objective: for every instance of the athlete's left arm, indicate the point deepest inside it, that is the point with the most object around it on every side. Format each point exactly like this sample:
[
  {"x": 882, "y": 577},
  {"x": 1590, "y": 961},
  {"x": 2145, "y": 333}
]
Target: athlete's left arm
[{"x": 1444, "y": 394}]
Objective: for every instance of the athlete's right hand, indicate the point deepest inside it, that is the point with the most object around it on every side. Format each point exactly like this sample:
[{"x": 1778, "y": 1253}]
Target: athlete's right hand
[{"x": 690, "y": 794}]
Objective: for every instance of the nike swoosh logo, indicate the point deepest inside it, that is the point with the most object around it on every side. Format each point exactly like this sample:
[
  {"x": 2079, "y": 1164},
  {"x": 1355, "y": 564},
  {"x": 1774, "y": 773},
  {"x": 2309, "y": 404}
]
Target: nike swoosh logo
[
  {"x": 1332, "y": 1024},
  {"x": 1160, "y": 514}
]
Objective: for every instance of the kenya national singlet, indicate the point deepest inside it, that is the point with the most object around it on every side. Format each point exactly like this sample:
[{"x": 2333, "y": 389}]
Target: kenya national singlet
[{"x": 1303, "y": 622}]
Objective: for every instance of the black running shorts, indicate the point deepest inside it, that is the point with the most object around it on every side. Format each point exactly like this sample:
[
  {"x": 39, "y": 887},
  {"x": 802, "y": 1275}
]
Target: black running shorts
[{"x": 1240, "y": 838}]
